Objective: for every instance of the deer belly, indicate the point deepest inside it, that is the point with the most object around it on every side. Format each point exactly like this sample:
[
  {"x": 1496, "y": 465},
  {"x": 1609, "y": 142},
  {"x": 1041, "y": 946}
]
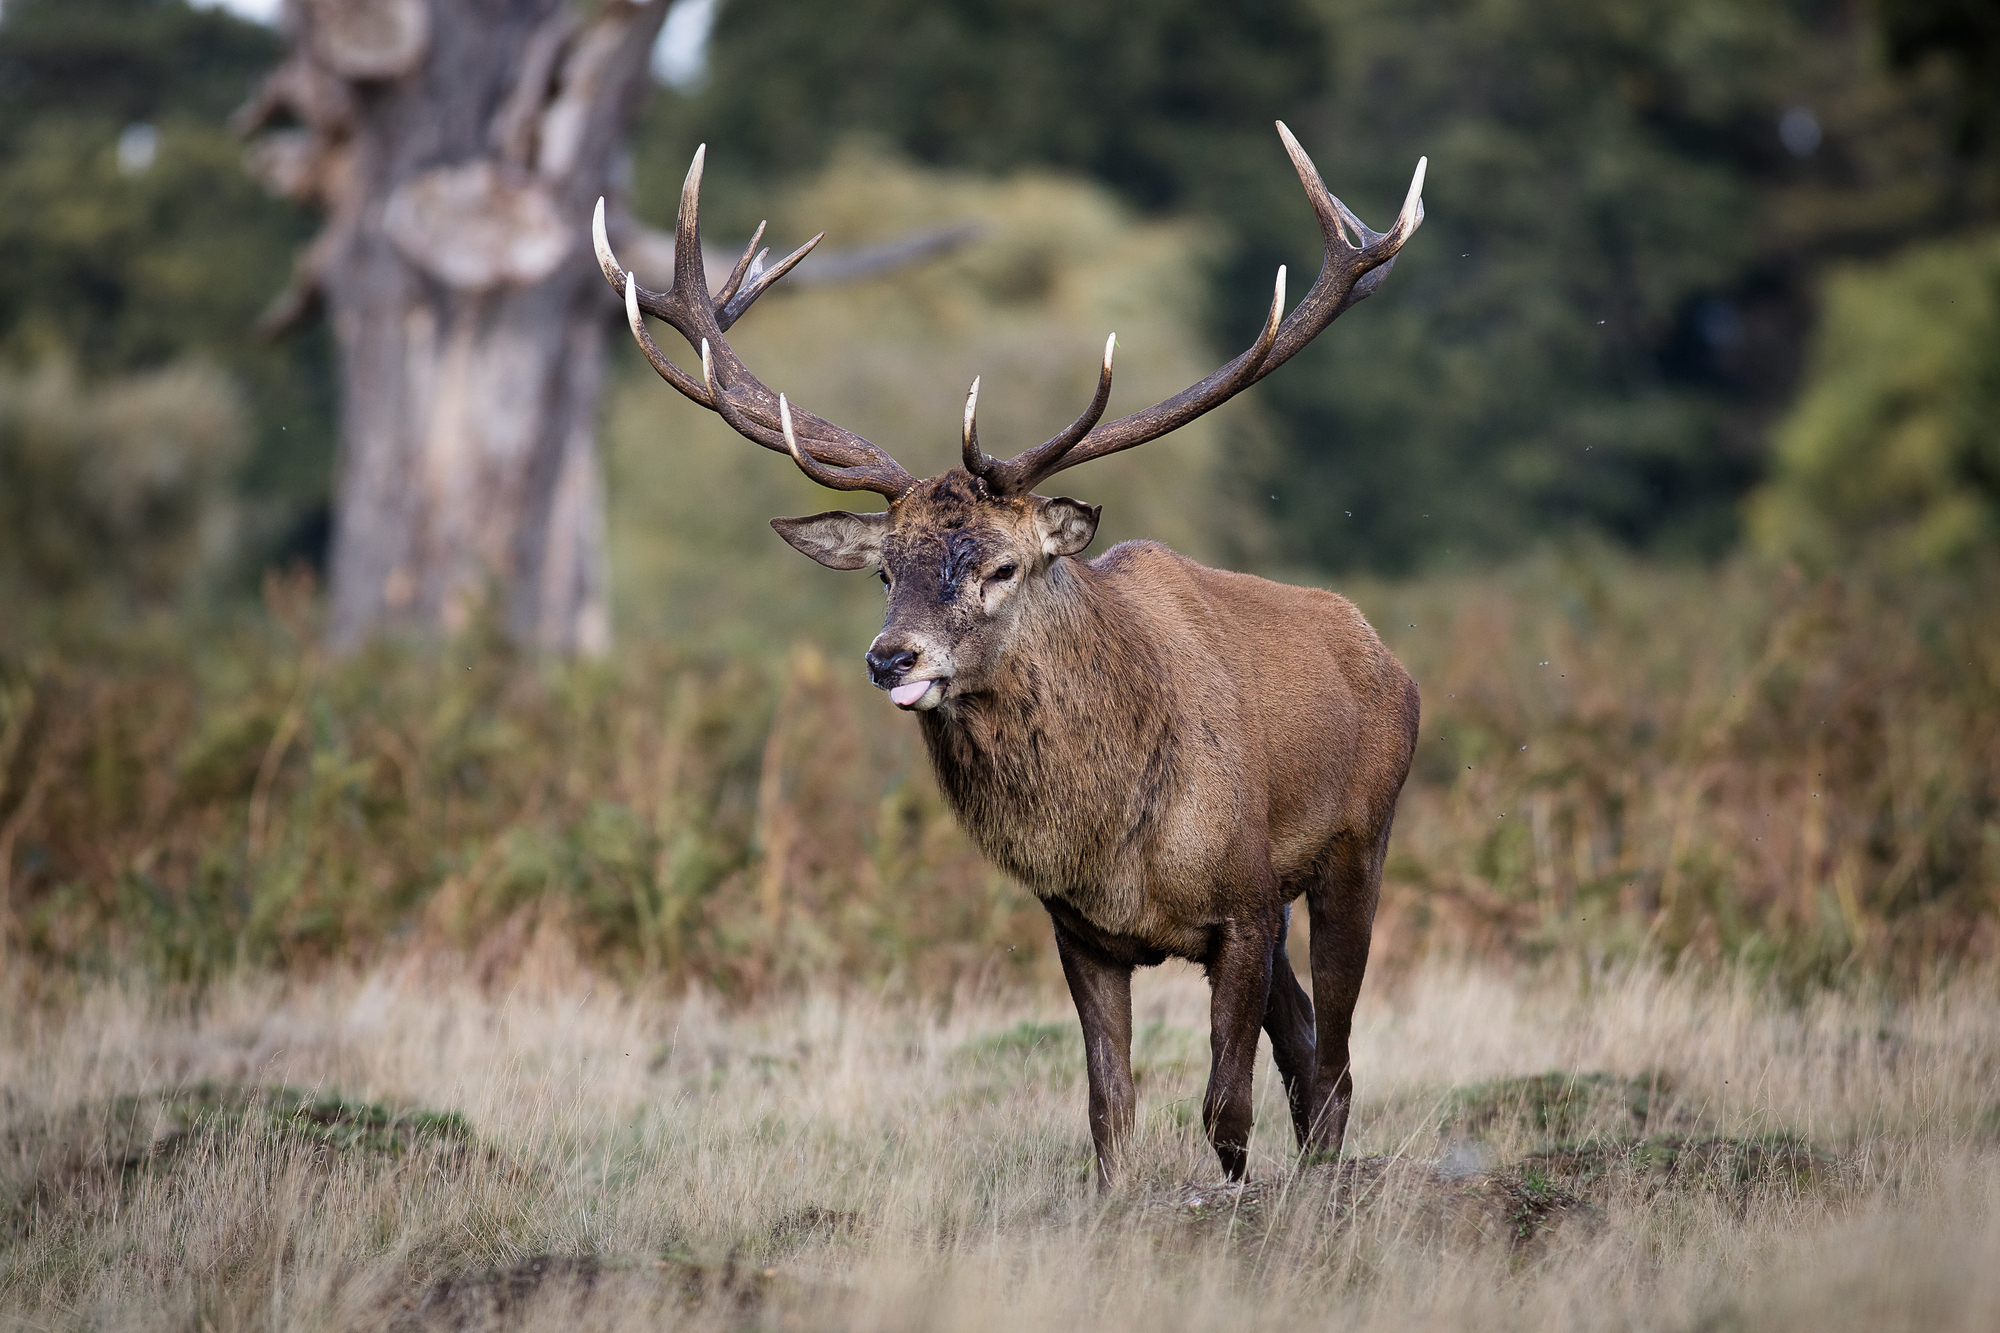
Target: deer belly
[{"x": 1151, "y": 907}]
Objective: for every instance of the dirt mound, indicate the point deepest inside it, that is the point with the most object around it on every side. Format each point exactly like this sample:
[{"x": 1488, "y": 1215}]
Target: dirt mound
[
  {"x": 545, "y": 1289},
  {"x": 96, "y": 1148}
]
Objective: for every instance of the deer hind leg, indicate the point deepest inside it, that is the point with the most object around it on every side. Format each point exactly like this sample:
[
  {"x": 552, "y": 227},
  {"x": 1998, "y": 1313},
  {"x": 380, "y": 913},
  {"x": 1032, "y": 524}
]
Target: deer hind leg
[
  {"x": 1239, "y": 978},
  {"x": 1342, "y": 907},
  {"x": 1288, "y": 1017},
  {"x": 1102, "y": 990}
]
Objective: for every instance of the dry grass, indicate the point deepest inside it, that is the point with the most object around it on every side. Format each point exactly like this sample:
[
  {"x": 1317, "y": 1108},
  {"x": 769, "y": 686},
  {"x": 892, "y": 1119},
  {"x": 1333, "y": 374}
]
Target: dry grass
[{"x": 557, "y": 1153}]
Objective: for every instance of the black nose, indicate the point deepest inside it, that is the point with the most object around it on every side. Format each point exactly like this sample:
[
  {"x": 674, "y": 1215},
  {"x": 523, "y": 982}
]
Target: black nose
[{"x": 886, "y": 668}]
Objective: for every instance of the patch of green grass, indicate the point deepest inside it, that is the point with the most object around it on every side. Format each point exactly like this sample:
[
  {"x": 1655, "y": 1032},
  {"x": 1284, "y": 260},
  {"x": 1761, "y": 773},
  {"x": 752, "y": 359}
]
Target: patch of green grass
[
  {"x": 109, "y": 1144},
  {"x": 1734, "y": 1167},
  {"x": 1026, "y": 1040},
  {"x": 1534, "y": 1204},
  {"x": 1561, "y": 1105},
  {"x": 292, "y": 1115}
]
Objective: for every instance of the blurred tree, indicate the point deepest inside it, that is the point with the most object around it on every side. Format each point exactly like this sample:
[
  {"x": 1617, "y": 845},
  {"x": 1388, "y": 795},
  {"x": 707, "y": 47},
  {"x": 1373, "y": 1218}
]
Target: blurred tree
[
  {"x": 1894, "y": 447},
  {"x": 1628, "y": 199},
  {"x": 130, "y": 235},
  {"x": 456, "y": 147}
]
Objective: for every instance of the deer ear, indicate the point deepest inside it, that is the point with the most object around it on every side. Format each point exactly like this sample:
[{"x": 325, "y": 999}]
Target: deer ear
[
  {"x": 837, "y": 539},
  {"x": 1066, "y": 525}
]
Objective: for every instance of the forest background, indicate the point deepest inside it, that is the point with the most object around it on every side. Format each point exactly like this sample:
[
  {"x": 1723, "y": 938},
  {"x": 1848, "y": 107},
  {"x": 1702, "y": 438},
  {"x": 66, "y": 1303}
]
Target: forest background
[{"x": 1684, "y": 396}]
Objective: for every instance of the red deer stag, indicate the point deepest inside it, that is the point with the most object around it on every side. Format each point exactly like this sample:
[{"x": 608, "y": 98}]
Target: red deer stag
[{"x": 1167, "y": 755}]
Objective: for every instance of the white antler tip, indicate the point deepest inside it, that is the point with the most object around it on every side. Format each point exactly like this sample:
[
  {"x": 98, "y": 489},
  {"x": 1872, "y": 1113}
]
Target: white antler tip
[
  {"x": 632, "y": 305},
  {"x": 791, "y": 436},
  {"x": 600, "y": 241},
  {"x": 1110, "y": 345}
]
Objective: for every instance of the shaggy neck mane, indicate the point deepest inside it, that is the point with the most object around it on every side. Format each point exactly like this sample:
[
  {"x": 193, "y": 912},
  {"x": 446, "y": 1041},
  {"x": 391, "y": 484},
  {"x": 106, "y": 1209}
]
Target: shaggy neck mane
[{"x": 1079, "y": 701}]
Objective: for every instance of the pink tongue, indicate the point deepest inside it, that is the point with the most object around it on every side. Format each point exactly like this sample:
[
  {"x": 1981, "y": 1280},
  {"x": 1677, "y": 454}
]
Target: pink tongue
[{"x": 909, "y": 692}]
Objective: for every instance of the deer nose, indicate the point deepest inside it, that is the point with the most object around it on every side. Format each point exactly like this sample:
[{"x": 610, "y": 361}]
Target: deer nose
[{"x": 885, "y": 668}]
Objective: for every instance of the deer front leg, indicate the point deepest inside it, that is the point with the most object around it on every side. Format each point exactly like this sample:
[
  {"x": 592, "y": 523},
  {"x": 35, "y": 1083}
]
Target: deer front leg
[
  {"x": 1102, "y": 990},
  {"x": 1239, "y": 978}
]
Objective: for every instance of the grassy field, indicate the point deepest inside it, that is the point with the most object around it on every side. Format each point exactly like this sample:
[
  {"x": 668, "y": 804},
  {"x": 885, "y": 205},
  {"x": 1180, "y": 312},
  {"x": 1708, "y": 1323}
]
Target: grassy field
[{"x": 411, "y": 1149}]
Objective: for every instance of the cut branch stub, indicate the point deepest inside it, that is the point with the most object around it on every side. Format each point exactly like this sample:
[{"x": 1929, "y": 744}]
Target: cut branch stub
[
  {"x": 470, "y": 227},
  {"x": 369, "y": 39}
]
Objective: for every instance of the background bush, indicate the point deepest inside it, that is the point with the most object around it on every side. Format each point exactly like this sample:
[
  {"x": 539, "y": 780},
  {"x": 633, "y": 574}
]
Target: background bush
[{"x": 1794, "y": 773}]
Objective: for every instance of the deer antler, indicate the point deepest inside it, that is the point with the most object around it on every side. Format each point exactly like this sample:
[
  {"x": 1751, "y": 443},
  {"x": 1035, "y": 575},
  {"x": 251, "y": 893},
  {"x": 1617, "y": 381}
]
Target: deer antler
[
  {"x": 1349, "y": 273},
  {"x": 829, "y": 454}
]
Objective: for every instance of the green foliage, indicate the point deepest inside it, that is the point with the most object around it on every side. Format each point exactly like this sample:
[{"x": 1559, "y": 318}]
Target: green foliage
[
  {"x": 1746, "y": 764},
  {"x": 1586, "y": 198},
  {"x": 125, "y": 261},
  {"x": 1164, "y": 100},
  {"x": 191, "y": 807},
  {"x": 1592, "y": 324},
  {"x": 126, "y": 60},
  {"x": 1894, "y": 445},
  {"x": 122, "y": 489},
  {"x": 1965, "y": 35}
]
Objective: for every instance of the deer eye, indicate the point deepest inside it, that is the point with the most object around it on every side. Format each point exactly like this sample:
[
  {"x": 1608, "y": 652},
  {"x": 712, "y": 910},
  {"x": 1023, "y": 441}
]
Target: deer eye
[
  {"x": 1005, "y": 572},
  {"x": 883, "y": 575}
]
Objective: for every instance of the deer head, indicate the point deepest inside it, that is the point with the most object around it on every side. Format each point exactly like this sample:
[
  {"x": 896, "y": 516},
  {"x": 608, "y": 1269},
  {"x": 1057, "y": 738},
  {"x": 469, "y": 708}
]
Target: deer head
[{"x": 970, "y": 555}]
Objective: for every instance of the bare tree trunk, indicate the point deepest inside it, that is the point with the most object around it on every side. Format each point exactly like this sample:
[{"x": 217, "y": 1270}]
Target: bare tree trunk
[{"x": 457, "y": 147}]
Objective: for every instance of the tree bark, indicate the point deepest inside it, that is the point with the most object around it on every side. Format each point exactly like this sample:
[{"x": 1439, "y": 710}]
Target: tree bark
[{"x": 457, "y": 147}]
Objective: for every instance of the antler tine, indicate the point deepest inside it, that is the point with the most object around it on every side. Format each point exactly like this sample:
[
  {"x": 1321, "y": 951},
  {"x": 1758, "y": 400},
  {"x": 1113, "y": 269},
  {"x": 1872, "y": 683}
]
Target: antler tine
[
  {"x": 600, "y": 240},
  {"x": 977, "y": 463},
  {"x": 1019, "y": 474},
  {"x": 690, "y": 274},
  {"x": 628, "y": 286},
  {"x": 1348, "y": 273},
  {"x": 730, "y": 412},
  {"x": 1406, "y": 222},
  {"x": 1330, "y": 211},
  {"x": 863, "y": 478},
  {"x": 742, "y": 267},
  {"x": 843, "y": 459},
  {"x": 729, "y": 312}
]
